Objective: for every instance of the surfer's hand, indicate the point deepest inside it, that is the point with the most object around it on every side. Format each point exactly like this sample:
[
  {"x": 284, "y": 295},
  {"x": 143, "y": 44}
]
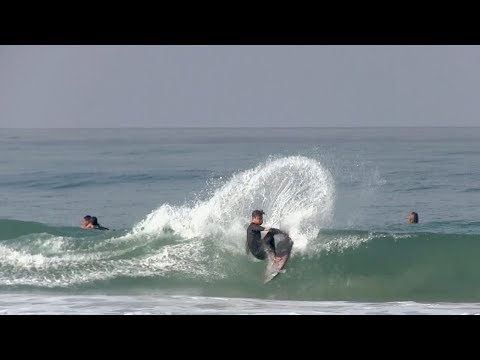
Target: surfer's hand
[{"x": 276, "y": 259}]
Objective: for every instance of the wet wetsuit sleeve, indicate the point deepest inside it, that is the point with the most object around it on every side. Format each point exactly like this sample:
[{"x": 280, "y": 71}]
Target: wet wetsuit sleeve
[
  {"x": 100, "y": 227},
  {"x": 257, "y": 228},
  {"x": 253, "y": 238}
]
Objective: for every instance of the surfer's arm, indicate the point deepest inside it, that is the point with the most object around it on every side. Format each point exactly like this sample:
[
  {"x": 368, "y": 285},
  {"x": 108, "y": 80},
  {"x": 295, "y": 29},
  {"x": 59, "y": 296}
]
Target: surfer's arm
[
  {"x": 270, "y": 230},
  {"x": 252, "y": 230},
  {"x": 258, "y": 228}
]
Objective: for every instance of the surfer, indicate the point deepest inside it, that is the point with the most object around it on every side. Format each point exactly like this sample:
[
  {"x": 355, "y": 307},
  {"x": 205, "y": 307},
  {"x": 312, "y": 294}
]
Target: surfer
[
  {"x": 412, "y": 218},
  {"x": 261, "y": 248},
  {"x": 91, "y": 222},
  {"x": 86, "y": 222}
]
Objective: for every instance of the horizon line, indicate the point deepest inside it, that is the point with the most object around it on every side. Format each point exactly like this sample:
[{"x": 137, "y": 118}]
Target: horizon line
[{"x": 242, "y": 127}]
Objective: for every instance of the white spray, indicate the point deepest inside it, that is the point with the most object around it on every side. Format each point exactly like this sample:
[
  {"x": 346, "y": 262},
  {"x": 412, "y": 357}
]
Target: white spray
[{"x": 296, "y": 193}]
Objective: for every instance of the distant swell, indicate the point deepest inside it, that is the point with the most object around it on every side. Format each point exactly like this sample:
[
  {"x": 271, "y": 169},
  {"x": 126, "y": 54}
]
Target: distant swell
[
  {"x": 471, "y": 190},
  {"x": 42, "y": 180}
]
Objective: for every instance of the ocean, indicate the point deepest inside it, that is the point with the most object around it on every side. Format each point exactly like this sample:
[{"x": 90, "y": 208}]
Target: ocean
[{"x": 177, "y": 202}]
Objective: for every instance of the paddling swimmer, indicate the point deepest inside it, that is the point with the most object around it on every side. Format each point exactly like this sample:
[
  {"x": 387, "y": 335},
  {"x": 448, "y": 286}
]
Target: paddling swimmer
[
  {"x": 261, "y": 248},
  {"x": 86, "y": 222},
  {"x": 91, "y": 222}
]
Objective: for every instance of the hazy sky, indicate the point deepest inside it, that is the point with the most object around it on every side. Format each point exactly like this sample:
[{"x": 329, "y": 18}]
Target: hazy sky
[{"x": 238, "y": 86}]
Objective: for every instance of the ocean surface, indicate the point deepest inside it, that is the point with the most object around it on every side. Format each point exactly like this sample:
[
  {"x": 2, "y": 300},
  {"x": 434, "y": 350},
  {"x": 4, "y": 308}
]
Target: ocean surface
[{"x": 177, "y": 203}]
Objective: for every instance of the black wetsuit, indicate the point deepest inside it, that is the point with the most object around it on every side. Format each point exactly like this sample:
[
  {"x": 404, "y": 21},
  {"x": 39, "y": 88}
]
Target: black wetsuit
[
  {"x": 258, "y": 246},
  {"x": 100, "y": 227}
]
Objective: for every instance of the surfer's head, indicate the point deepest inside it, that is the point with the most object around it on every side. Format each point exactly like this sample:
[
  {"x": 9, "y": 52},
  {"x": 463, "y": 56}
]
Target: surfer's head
[
  {"x": 412, "y": 218},
  {"x": 257, "y": 217},
  {"x": 87, "y": 219}
]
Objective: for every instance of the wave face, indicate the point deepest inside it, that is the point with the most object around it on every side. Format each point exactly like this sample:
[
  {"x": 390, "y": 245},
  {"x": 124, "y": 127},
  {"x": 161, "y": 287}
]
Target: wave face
[
  {"x": 336, "y": 265},
  {"x": 198, "y": 248}
]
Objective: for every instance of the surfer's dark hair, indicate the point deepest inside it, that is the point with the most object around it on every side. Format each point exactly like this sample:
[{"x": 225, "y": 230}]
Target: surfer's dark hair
[
  {"x": 257, "y": 213},
  {"x": 415, "y": 217}
]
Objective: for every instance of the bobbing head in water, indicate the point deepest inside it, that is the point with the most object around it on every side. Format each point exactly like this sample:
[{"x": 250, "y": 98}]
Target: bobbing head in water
[
  {"x": 86, "y": 222},
  {"x": 91, "y": 222},
  {"x": 412, "y": 218}
]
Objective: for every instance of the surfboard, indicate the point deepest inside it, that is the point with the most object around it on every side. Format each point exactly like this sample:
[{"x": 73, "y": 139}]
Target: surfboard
[{"x": 283, "y": 249}]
